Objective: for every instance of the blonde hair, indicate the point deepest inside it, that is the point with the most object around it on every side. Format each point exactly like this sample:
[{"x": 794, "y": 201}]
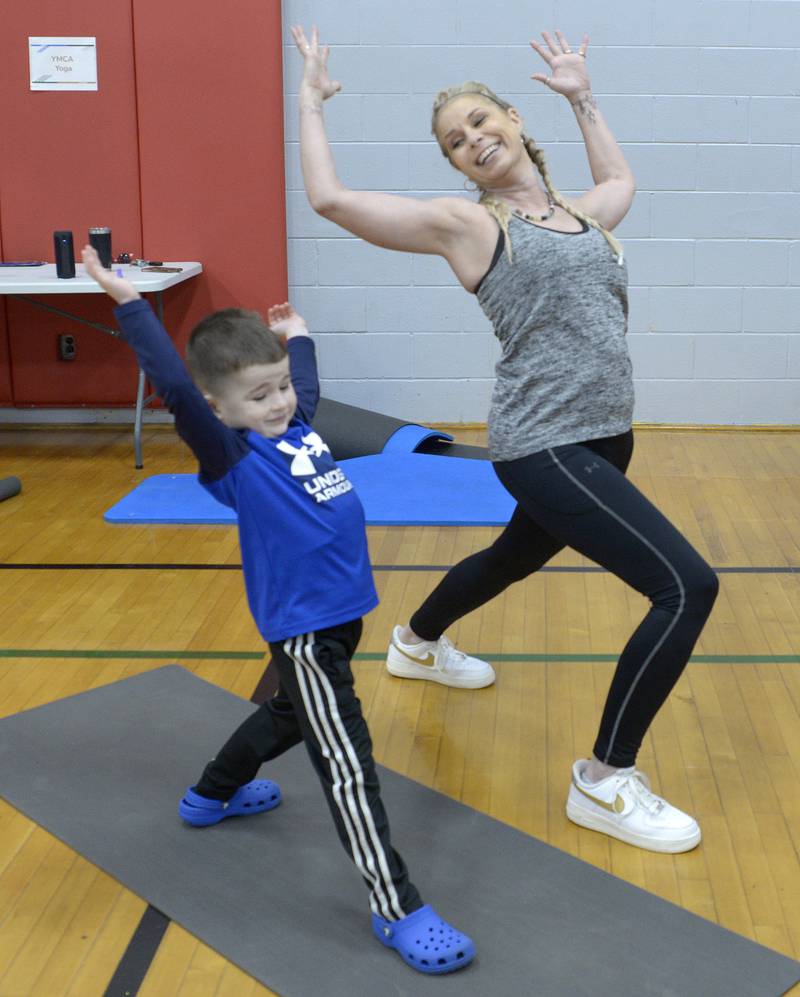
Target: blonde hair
[{"x": 497, "y": 208}]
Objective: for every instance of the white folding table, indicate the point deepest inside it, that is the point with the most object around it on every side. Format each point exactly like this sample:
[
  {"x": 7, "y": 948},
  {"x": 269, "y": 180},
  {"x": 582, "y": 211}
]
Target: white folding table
[{"x": 28, "y": 283}]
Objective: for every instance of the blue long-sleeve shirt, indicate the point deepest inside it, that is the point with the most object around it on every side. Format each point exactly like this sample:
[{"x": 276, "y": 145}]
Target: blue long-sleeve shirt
[{"x": 301, "y": 525}]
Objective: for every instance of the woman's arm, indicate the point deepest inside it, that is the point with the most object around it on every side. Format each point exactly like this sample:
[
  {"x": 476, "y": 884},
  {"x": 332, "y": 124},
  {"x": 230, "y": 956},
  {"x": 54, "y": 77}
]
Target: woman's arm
[
  {"x": 386, "y": 220},
  {"x": 609, "y": 200}
]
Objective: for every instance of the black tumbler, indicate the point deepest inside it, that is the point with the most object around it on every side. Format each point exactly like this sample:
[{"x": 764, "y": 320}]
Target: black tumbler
[
  {"x": 65, "y": 255},
  {"x": 100, "y": 238}
]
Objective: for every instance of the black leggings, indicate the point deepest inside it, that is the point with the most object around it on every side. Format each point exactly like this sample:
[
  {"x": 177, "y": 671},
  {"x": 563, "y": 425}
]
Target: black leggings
[{"x": 577, "y": 495}]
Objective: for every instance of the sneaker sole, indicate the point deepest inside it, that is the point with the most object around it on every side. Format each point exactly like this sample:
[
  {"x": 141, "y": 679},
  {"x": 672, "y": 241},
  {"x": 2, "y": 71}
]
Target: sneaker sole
[
  {"x": 410, "y": 671},
  {"x": 596, "y": 822}
]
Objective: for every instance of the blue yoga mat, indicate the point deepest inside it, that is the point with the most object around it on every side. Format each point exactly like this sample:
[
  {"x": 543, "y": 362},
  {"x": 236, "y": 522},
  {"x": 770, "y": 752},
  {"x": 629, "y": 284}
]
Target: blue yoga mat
[
  {"x": 425, "y": 490},
  {"x": 396, "y": 489}
]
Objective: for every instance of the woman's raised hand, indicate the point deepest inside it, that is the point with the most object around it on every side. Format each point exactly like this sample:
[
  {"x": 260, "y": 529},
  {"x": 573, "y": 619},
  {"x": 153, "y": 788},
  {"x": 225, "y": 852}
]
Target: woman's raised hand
[
  {"x": 568, "y": 75},
  {"x": 315, "y": 56}
]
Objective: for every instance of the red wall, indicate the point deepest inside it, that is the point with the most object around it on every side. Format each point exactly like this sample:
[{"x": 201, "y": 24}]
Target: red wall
[
  {"x": 180, "y": 152},
  {"x": 5, "y": 362}
]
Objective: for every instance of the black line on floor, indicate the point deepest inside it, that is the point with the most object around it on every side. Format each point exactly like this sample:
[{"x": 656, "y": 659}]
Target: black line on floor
[
  {"x": 139, "y": 954},
  {"x": 552, "y": 569},
  {"x": 74, "y": 566}
]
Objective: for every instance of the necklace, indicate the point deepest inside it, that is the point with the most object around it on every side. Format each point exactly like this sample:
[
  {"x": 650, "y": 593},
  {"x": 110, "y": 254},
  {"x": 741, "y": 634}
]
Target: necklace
[{"x": 532, "y": 219}]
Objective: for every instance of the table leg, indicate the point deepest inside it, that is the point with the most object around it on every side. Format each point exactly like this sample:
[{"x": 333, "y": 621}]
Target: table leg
[
  {"x": 141, "y": 401},
  {"x": 137, "y": 422}
]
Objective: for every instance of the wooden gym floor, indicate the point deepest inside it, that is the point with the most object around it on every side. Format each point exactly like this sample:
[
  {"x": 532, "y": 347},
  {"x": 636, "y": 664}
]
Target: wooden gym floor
[{"x": 83, "y": 604}]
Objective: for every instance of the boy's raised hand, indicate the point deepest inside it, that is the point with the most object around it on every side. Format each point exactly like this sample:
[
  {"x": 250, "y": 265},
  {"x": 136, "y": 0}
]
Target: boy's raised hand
[
  {"x": 285, "y": 321},
  {"x": 121, "y": 290}
]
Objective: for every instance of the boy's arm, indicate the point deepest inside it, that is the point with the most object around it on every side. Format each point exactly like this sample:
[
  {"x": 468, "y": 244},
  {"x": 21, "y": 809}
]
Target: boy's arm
[
  {"x": 303, "y": 368},
  {"x": 216, "y": 447},
  {"x": 285, "y": 321}
]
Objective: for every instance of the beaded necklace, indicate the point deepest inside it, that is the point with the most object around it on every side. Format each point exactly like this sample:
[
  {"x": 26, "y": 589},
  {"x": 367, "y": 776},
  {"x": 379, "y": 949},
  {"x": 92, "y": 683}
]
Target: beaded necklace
[{"x": 534, "y": 219}]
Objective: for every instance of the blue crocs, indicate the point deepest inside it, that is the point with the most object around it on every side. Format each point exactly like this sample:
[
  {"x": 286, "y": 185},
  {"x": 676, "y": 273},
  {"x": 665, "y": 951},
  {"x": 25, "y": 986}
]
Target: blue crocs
[
  {"x": 425, "y": 942},
  {"x": 253, "y": 798}
]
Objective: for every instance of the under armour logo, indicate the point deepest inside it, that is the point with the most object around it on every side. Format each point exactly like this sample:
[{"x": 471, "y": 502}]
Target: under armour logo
[
  {"x": 302, "y": 465},
  {"x": 589, "y": 468},
  {"x": 316, "y": 444}
]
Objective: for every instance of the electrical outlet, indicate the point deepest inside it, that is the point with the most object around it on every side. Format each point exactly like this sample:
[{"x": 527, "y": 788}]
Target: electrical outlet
[{"x": 67, "y": 347}]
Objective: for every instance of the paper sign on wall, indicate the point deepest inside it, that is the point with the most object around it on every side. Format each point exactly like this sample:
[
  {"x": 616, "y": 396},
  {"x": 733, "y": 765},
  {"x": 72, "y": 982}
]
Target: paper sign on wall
[{"x": 63, "y": 63}]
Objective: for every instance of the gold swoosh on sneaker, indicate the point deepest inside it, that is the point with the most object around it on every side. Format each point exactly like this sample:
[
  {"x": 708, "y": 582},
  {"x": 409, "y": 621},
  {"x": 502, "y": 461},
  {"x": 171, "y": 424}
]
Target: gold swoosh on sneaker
[
  {"x": 617, "y": 807},
  {"x": 429, "y": 658}
]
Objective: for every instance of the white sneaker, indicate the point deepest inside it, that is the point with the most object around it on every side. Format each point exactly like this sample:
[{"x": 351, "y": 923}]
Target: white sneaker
[
  {"x": 437, "y": 661},
  {"x": 623, "y": 806}
]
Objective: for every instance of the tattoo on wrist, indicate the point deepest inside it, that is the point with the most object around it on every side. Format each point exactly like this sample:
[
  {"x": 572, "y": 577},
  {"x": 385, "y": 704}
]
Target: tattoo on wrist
[
  {"x": 587, "y": 106},
  {"x": 311, "y": 108}
]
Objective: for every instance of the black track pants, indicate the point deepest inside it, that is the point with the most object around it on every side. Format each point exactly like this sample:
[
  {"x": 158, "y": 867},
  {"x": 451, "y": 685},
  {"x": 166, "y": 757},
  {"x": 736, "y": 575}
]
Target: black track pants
[
  {"x": 577, "y": 495},
  {"x": 316, "y": 703}
]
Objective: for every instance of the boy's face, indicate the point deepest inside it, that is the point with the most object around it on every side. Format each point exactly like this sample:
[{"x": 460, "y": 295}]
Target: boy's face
[{"x": 260, "y": 398}]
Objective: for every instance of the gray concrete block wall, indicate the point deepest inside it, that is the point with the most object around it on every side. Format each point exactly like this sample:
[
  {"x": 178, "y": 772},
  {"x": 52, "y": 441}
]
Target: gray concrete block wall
[{"x": 703, "y": 95}]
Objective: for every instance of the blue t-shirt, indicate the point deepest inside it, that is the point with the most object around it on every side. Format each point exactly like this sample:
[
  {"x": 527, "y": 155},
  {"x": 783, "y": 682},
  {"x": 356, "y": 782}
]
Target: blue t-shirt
[{"x": 301, "y": 524}]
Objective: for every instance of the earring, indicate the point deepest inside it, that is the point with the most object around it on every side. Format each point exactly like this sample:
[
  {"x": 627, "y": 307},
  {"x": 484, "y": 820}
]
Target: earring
[{"x": 470, "y": 190}]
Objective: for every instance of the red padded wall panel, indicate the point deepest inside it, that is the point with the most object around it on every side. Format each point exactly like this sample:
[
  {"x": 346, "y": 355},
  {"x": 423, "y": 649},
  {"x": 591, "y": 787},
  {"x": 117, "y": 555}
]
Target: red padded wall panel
[
  {"x": 67, "y": 160},
  {"x": 5, "y": 361},
  {"x": 210, "y": 97},
  {"x": 6, "y": 394},
  {"x": 180, "y": 152}
]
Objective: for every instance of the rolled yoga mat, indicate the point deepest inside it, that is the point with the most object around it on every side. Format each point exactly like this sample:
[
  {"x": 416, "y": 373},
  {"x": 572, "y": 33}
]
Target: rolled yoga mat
[
  {"x": 275, "y": 893},
  {"x": 9, "y": 487},
  {"x": 356, "y": 432}
]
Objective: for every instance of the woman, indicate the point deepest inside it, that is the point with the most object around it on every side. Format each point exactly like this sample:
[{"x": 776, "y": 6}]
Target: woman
[{"x": 551, "y": 278}]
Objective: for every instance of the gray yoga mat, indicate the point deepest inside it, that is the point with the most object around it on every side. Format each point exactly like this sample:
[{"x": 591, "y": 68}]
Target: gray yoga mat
[{"x": 275, "y": 894}]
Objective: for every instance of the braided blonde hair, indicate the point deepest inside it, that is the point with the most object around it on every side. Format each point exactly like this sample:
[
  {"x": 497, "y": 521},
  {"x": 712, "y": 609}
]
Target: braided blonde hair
[{"x": 497, "y": 208}]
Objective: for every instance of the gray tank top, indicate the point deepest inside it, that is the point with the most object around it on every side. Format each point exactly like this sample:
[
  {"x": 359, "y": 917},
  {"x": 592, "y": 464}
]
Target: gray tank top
[{"x": 560, "y": 311}]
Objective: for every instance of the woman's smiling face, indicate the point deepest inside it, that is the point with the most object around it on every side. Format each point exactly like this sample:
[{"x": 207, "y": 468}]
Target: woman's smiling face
[{"x": 480, "y": 138}]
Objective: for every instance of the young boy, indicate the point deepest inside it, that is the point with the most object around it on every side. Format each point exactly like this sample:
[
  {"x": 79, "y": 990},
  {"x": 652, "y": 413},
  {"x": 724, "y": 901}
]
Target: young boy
[{"x": 308, "y": 578}]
